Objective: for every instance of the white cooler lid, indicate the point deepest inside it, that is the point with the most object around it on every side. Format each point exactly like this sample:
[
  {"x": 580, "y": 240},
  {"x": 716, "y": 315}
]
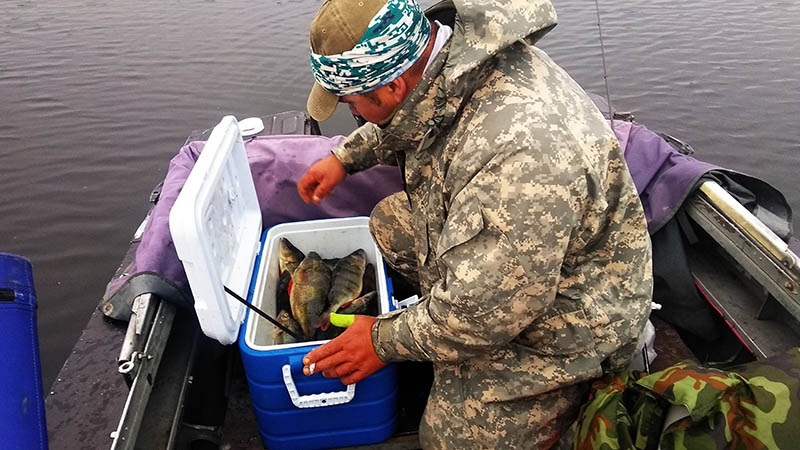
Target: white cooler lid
[{"x": 216, "y": 225}]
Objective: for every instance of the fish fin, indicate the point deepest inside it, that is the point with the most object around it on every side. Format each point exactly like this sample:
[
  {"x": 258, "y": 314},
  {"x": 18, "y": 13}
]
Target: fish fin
[{"x": 323, "y": 322}]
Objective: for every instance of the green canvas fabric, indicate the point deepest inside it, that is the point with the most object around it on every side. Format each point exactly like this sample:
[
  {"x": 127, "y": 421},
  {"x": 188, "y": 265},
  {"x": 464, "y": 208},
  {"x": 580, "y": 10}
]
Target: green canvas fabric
[{"x": 753, "y": 406}]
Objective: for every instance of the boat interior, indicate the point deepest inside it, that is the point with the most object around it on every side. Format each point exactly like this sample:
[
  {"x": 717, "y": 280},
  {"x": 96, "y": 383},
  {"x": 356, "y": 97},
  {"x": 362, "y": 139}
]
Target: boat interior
[{"x": 157, "y": 382}]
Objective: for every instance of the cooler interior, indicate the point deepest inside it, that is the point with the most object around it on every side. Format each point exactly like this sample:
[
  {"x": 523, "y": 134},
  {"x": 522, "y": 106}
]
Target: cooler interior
[{"x": 330, "y": 238}]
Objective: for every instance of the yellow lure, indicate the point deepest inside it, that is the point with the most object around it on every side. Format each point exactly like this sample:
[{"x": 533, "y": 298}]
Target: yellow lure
[{"x": 342, "y": 320}]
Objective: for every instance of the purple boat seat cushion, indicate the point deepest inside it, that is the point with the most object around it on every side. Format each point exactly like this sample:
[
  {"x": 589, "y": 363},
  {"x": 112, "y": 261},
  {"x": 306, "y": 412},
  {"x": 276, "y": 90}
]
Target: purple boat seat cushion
[{"x": 276, "y": 163}]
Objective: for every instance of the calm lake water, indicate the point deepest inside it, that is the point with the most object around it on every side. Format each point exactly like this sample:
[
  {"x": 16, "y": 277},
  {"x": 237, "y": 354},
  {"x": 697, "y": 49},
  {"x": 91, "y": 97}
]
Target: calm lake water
[{"x": 96, "y": 96}]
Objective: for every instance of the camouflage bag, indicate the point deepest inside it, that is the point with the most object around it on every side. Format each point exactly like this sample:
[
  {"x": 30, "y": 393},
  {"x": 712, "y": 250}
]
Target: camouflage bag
[{"x": 753, "y": 406}]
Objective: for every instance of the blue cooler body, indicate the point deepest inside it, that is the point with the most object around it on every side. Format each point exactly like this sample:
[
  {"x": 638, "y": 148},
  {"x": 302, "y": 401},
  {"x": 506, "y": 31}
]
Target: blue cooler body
[
  {"x": 274, "y": 373},
  {"x": 22, "y": 421},
  {"x": 370, "y": 416}
]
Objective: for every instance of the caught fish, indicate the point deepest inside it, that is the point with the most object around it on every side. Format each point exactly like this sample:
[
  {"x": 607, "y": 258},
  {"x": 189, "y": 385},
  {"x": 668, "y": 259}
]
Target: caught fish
[
  {"x": 369, "y": 279},
  {"x": 282, "y": 293},
  {"x": 348, "y": 277},
  {"x": 290, "y": 256},
  {"x": 331, "y": 262},
  {"x": 330, "y": 333},
  {"x": 281, "y": 337},
  {"x": 358, "y": 305},
  {"x": 311, "y": 282}
]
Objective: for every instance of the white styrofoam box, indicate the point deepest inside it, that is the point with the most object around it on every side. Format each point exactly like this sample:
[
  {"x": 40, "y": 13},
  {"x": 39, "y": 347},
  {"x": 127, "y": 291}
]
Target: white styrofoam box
[
  {"x": 216, "y": 226},
  {"x": 330, "y": 238}
]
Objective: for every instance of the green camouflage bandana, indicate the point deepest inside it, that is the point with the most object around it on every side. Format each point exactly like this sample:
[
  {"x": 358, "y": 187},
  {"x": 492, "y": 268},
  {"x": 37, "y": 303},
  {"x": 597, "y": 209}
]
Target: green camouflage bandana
[{"x": 394, "y": 40}]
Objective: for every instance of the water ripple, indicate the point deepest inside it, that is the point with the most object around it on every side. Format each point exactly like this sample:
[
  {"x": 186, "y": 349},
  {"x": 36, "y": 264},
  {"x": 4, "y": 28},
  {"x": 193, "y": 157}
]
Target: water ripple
[{"x": 98, "y": 95}]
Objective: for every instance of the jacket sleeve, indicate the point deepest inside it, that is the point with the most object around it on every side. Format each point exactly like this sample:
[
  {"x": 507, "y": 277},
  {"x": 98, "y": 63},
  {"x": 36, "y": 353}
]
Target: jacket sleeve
[
  {"x": 362, "y": 150},
  {"x": 499, "y": 257}
]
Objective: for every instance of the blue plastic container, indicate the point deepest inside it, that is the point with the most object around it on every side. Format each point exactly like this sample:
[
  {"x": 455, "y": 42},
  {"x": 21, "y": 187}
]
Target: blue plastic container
[
  {"x": 22, "y": 421},
  {"x": 370, "y": 416},
  {"x": 295, "y": 411}
]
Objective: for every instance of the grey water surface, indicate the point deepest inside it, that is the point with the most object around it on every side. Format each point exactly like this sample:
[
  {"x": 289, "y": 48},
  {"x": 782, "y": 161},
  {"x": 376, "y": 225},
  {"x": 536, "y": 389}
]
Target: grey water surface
[{"x": 96, "y": 96}]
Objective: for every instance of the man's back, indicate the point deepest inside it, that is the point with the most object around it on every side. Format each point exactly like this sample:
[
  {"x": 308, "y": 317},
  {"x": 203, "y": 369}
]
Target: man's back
[
  {"x": 532, "y": 162},
  {"x": 532, "y": 121}
]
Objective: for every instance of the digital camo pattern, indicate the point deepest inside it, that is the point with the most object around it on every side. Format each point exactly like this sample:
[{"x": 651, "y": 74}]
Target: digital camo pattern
[
  {"x": 529, "y": 237},
  {"x": 754, "y": 406},
  {"x": 472, "y": 424},
  {"x": 390, "y": 224},
  {"x": 394, "y": 40}
]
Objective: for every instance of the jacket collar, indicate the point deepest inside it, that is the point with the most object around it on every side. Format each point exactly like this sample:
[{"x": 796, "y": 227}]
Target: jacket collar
[
  {"x": 422, "y": 110},
  {"x": 433, "y": 105}
]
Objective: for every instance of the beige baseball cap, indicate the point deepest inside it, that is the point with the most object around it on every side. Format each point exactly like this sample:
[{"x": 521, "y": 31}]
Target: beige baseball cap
[{"x": 337, "y": 28}]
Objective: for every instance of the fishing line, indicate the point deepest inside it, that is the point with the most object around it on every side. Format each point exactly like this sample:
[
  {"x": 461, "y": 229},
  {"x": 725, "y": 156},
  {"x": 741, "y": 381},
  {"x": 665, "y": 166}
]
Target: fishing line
[
  {"x": 261, "y": 313},
  {"x": 605, "y": 73}
]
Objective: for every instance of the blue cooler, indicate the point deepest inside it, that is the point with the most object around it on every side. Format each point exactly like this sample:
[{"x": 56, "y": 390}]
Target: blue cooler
[
  {"x": 216, "y": 227},
  {"x": 22, "y": 422}
]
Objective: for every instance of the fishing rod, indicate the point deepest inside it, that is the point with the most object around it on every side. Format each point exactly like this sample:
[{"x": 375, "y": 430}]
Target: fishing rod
[
  {"x": 603, "y": 55},
  {"x": 261, "y": 313}
]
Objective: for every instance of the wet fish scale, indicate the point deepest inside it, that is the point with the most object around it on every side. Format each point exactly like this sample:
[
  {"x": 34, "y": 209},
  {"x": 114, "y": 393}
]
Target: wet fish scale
[
  {"x": 348, "y": 276},
  {"x": 290, "y": 256},
  {"x": 330, "y": 262},
  {"x": 359, "y": 305},
  {"x": 282, "y": 292},
  {"x": 369, "y": 279},
  {"x": 311, "y": 282}
]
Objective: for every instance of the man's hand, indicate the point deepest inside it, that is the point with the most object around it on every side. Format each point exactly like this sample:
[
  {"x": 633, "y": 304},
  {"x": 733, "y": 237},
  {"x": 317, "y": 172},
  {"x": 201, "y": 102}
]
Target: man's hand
[
  {"x": 320, "y": 179},
  {"x": 349, "y": 357}
]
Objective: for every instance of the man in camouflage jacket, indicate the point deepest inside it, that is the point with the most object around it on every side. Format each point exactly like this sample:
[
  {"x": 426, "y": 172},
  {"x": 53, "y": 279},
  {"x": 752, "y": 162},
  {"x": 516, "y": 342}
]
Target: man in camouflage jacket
[{"x": 521, "y": 226}]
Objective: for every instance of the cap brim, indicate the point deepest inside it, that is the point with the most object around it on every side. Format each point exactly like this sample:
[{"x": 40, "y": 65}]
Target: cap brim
[{"x": 321, "y": 103}]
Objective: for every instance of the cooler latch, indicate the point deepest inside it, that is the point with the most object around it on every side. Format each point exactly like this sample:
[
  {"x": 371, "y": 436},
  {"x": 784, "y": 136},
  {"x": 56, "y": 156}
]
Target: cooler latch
[{"x": 402, "y": 304}]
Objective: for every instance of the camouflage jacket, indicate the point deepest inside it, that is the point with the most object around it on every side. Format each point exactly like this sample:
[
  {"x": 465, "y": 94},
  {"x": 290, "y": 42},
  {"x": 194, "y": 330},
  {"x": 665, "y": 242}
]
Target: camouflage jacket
[
  {"x": 685, "y": 406},
  {"x": 532, "y": 246}
]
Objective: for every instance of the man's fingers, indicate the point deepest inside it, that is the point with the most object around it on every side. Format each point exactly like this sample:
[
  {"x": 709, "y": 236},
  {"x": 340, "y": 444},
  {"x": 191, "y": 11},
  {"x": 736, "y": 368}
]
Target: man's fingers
[
  {"x": 318, "y": 182},
  {"x": 330, "y": 362},
  {"x": 323, "y": 190},
  {"x": 322, "y": 352},
  {"x": 353, "y": 377},
  {"x": 306, "y": 186},
  {"x": 340, "y": 370},
  {"x": 304, "y": 195},
  {"x": 318, "y": 195}
]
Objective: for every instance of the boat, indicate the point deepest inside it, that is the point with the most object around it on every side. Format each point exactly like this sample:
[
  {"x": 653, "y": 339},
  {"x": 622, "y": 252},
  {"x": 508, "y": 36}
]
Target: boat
[{"x": 157, "y": 382}]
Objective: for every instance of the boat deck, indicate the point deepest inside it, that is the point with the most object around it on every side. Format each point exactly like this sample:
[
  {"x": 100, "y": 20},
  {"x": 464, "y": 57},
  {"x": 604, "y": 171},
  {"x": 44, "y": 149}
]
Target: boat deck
[{"x": 87, "y": 400}]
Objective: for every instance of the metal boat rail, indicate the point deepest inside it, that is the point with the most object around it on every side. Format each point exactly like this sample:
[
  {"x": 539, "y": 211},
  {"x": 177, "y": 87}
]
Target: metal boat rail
[{"x": 766, "y": 262}]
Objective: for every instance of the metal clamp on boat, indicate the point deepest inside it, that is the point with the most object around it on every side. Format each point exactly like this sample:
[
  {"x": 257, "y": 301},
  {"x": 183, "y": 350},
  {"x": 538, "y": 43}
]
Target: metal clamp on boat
[
  {"x": 140, "y": 360},
  {"x": 144, "y": 307}
]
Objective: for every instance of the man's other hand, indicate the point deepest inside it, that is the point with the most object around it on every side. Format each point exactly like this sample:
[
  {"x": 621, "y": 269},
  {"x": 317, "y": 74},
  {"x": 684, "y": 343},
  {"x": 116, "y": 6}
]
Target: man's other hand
[
  {"x": 320, "y": 180},
  {"x": 350, "y": 357}
]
